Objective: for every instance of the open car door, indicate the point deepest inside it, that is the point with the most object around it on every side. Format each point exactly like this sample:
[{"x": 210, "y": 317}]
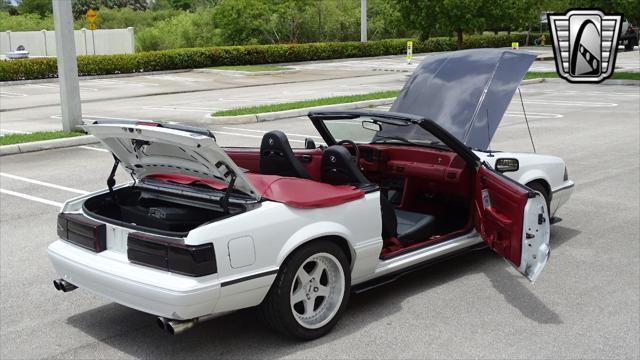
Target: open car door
[{"x": 513, "y": 221}]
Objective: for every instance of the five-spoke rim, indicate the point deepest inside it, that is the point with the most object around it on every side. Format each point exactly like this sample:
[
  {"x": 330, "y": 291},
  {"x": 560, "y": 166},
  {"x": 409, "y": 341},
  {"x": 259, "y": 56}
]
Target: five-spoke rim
[{"x": 317, "y": 290}]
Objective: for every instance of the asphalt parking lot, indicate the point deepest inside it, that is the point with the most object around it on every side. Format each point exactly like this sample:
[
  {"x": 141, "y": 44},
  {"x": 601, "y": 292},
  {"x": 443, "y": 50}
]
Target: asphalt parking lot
[
  {"x": 584, "y": 305},
  {"x": 187, "y": 97}
]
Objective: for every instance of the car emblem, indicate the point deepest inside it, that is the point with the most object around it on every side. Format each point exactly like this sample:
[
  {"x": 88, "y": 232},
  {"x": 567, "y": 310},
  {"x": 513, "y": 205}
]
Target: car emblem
[
  {"x": 332, "y": 158},
  {"x": 271, "y": 142},
  {"x": 585, "y": 43}
]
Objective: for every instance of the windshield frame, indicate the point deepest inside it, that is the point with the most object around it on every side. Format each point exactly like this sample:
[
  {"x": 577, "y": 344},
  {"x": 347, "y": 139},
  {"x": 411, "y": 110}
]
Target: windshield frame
[{"x": 318, "y": 119}]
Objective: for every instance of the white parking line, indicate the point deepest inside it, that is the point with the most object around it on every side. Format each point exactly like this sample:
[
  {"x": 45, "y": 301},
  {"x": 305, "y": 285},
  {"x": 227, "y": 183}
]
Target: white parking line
[
  {"x": 38, "y": 182},
  {"x": 32, "y": 198},
  {"x": 175, "y": 78},
  {"x": 576, "y": 92},
  {"x": 534, "y": 115},
  {"x": 249, "y": 136},
  {"x": 93, "y": 148},
  {"x": 101, "y": 117},
  {"x": 570, "y": 103},
  {"x": 264, "y": 132},
  {"x": 181, "y": 108},
  {"x": 114, "y": 83},
  {"x": 11, "y": 94},
  {"x": 56, "y": 87},
  {"x": 4, "y": 131}
]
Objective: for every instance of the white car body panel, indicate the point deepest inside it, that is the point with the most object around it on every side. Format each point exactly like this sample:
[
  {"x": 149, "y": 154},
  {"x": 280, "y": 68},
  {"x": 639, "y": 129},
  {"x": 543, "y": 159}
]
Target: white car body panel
[
  {"x": 276, "y": 230},
  {"x": 537, "y": 167}
]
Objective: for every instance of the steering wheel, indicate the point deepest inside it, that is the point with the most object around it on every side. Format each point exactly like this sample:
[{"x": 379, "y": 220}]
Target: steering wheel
[{"x": 356, "y": 157}]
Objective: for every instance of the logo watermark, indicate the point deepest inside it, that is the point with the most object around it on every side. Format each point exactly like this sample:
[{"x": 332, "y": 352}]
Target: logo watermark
[{"x": 585, "y": 43}]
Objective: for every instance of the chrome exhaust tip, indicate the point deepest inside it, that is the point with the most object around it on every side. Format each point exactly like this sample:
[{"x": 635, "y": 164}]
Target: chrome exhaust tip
[
  {"x": 162, "y": 323},
  {"x": 63, "y": 285},
  {"x": 176, "y": 327}
]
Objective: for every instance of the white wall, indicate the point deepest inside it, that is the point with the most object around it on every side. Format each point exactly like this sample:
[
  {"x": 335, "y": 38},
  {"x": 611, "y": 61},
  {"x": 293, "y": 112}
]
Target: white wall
[{"x": 88, "y": 42}]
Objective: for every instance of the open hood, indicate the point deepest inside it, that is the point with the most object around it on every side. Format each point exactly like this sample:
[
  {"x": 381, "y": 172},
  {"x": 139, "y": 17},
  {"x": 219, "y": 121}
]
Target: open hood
[
  {"x": 150, "y": 148},
  {"x": 466, "y": 92}
]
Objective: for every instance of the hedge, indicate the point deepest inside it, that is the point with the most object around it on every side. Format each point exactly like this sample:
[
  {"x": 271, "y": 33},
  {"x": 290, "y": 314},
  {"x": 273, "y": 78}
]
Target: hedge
[{"x": 42, "y": 68}]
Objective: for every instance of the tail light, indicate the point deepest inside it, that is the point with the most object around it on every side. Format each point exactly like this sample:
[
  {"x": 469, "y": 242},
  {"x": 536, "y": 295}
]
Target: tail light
[
  {"x": 79, "y": 230},
  {"x": 171, "y": 254}
]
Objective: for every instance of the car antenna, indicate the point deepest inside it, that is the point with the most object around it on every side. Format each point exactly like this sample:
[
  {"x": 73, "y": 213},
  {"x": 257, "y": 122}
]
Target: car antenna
[
  {"x": 488, "y": 135},
  {"x": 526, "y": 120}
]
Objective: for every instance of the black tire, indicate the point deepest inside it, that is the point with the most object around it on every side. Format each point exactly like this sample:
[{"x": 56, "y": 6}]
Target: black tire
[
  {"x": 537, "y": 186},
  {"x": 276, "y": 309}
]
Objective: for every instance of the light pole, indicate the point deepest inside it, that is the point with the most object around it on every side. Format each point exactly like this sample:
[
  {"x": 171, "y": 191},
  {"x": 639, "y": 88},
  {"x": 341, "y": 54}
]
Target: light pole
[
  {"x": 67, "y": 65},
  {"x": 363, "y": 20}
]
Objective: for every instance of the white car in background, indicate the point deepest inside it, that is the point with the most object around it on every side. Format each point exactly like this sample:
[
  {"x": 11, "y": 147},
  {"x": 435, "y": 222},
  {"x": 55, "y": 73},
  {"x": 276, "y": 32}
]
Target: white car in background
[{"x": 202, "y": 230}]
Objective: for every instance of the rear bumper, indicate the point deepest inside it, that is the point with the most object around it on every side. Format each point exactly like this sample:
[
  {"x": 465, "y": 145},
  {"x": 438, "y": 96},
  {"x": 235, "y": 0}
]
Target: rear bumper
[
  {"x": 561, "y": 195},
  {"x": 110, "y": 274}
]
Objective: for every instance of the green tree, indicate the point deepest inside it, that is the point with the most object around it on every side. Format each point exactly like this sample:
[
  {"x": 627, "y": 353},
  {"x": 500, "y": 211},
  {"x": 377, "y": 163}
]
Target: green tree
[
  {"x": 40, "y": 7},
  {"x": 445, "y": 16},
  {"x": 7, "y": 7},
  {"x": 80, "y": 7},
  {"x": 421, "y": 15},
  {"x": 241, "y": 21},
  {"x": 630, "y": 8},
  {"x": 461, "y": 16}
]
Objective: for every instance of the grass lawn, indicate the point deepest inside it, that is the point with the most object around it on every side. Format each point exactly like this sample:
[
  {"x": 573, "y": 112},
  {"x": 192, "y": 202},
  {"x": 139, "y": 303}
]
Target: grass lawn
[
  {"x": 307, "y": 103},
  {"x": 252, "y": 68},
  {"x": 37, "y": 136},
  {"x": 552, "y": 74}
]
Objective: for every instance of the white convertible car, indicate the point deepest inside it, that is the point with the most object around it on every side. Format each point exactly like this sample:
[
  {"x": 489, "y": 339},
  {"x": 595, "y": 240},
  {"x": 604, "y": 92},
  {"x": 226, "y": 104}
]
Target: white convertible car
[{"x": 202, "y": 231}]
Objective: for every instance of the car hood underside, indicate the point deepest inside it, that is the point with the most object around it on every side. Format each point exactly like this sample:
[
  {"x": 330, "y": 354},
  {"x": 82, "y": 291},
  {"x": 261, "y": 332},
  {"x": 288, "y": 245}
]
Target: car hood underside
[{"x": 466, "y": 92}]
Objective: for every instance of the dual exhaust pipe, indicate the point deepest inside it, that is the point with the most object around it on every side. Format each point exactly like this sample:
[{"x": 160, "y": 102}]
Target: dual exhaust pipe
[{"x": 63, "y": 285}]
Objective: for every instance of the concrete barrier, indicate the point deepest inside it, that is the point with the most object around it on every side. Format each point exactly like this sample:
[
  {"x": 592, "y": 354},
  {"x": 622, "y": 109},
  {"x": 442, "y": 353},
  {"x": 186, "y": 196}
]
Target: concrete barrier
[{"x": 88, "y": 42}]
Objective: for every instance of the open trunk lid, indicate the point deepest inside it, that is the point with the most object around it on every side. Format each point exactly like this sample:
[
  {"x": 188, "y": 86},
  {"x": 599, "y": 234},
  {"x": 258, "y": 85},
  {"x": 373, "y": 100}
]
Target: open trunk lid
[{"x": 152, "y": 148}]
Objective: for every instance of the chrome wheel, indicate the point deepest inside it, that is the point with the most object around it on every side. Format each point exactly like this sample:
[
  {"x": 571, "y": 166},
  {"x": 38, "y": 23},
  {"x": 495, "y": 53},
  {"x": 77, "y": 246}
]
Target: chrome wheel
[{"x": 317, "y": 290}]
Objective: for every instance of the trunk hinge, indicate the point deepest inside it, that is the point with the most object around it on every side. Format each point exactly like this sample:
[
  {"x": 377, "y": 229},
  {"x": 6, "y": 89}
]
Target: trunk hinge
[
  {"x": 224, "y": 202},
  {"x": 111, "y": 181}
]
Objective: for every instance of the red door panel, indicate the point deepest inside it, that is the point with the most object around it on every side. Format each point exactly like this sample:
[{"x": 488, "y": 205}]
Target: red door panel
[
  {"x": 248, "y": 158},
  {"x": 499, "y": 208}
]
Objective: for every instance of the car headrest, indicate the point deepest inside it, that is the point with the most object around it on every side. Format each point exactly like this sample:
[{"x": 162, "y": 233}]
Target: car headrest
[
  {"x": 338, "y": 168},
  {"x": 277, "y": 157}
]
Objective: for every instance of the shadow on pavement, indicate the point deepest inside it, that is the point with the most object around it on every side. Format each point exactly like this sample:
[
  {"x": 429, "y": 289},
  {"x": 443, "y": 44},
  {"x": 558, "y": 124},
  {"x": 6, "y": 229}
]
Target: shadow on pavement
[{"x": 241, "y": 334}]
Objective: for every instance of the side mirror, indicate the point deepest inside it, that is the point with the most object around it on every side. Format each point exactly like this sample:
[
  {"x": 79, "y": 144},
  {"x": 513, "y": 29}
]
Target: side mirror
[
  {"x": 507, "y": 165},
  {"x": 309, "y": 144}
]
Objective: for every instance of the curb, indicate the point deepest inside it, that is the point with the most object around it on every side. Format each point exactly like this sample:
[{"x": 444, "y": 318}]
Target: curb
[
  {"x": 532, "y": 81},
  {"x": 545, "y": 57},
  {"x": 46, "y": 145},
  {"x": 245, "y": 73},
  {"x": 277, "y": 115},
  {"x": 93, "y": 77},
  {"x": 287, "y": 114}
]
